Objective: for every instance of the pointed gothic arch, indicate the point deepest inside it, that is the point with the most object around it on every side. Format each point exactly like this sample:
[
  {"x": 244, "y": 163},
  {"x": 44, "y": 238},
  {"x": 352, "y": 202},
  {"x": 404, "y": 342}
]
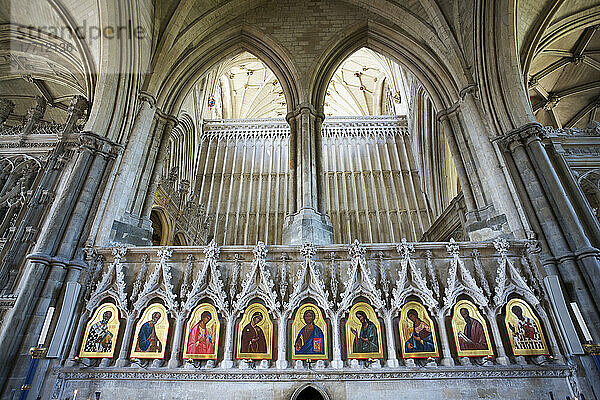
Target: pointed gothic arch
[
  {"x": 196, "y": 62},
  {"x": 310, "y": 391},
  {"x": 440, "y": 79}
]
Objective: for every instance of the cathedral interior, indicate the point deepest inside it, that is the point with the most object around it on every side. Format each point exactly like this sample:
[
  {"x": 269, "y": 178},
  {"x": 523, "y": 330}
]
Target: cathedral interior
[{"x": 278, "y": 199}]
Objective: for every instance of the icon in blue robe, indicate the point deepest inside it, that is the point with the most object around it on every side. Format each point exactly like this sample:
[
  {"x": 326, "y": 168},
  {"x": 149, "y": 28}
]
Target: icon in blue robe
[
  {"x": 147, "y": 338},
  {"x": 313, "y": 344}
]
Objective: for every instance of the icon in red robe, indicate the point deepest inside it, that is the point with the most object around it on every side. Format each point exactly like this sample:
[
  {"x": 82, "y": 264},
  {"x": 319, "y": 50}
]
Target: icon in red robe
[
  {"x": 200, "y": 339},
  {"x": 473, "y": 336}
]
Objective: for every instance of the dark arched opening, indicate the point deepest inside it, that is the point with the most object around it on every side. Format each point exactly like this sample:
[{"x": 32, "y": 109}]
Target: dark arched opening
[
  {"x": 310, "y": 393},
  {"x": 157, "y": 228}
]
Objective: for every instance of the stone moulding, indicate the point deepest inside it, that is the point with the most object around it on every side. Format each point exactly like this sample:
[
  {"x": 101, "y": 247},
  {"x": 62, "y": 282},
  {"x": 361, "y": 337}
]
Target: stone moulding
[{"x": 293, "y": 375}]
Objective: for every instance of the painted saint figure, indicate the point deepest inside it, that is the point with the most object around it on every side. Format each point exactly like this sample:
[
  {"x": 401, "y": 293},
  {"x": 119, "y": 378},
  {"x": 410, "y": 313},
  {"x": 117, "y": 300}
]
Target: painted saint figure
[
  {"x": 367, "y": 341},
  {"x": 473, "y": 336},
  {"x": 525, "y": 334},
  {"x": 253, "y": 337},
  {"x": 310, "y": 338},
  {"x": 421, "y": 339},
  {"x": 99, "y": 339},
  {"x": 200, "y": 339},
  {"x": 147, "y": 338}
]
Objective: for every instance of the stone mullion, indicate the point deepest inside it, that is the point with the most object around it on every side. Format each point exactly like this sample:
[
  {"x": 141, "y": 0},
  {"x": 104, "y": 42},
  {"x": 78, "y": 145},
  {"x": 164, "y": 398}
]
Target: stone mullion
[
  {"x": 350, "y": 169},
  {"x": 248, "y": 204},
  {"x": 263, "y": 144},
  {"x": 327, "y": 189},
  {"x": 377, "y": 193},
  {"x": 211, "y": 190},
  {"x": 337, "y": 201},
  {"x": 341, "y": 192},
  {"x": 202, "y": 159},
  {"x": 231, "y": 141},
  {"x": 279, "y": 172},
  {"x": 387, "y": 153},
  {"x": 282, "y": 361},
  {"x": 292, "y": 177},
  {"x": 205, "y": 186},
  {"x": 501, "y": 358},
  {"x": 336, "y": 361},
  {"x": 383, "y": 188},
  {"x": 269, "y": 190},
  {"x": 289, "y": 191},
  {"x": 339, "y": 184},
  {"x": 409, "y": 219},
  {"x": 228, "y": 352},
  {"x": 392, "y": 361},
  {"x": 236, "y": 227},
  {"x": 318, "y": 153},
  {"x": 123, "y": 360},
  {"x": 174, "y": 360},
  {"x": 218, "y": 226},
  {"x": 446, "y": 356},
  {"x": 363, "y": 190}
]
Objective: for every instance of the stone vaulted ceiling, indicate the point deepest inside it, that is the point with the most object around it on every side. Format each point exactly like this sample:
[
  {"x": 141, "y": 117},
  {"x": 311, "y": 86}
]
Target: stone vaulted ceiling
[
  {"x": 40, "y": 57},
  {"x": 244, "y": 87},
  {"x": 559, "y": 45},
  {"x": 366, "y": 84}
]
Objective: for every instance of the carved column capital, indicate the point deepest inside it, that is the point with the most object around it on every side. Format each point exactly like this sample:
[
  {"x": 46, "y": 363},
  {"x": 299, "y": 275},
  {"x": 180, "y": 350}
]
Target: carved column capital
[
  {"x": 77, "y": 108},
  {"x": 147, "y": 97},
  {"x": 97, "y": 144},
  {"x": 164, "y": 118},
  {"x": 304, "y": 109},
  {"x": 521, "y": 136}
]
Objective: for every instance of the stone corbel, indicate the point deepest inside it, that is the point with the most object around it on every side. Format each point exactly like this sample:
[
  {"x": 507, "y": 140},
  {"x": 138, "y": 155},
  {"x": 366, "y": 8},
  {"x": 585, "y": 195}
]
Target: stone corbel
[
  {"x": 521, "y": 136},
  {"x": 305, "y": 108},
  {"x": 471, "y": 89},
  {"x": 35, "y": 114},
  {"x": 147, "y": 97},
  {"x": 97, "y": 144},
  {"x": 77, "y": 108}
]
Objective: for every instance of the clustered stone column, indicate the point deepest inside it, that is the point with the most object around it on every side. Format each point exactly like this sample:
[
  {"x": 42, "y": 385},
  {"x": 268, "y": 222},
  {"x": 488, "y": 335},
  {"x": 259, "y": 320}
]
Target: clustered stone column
[
  {"x": 570, "y": 252},
  {"x": 307, "y": 221},
  {"x": 68, "y": 218}
]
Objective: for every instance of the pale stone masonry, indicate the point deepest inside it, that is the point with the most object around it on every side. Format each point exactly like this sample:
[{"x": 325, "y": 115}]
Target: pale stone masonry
[{"x": 124, "y": 189}]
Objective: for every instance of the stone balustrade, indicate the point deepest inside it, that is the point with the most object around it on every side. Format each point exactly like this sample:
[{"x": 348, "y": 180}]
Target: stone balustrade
[{"x": 334, "y": 277}]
